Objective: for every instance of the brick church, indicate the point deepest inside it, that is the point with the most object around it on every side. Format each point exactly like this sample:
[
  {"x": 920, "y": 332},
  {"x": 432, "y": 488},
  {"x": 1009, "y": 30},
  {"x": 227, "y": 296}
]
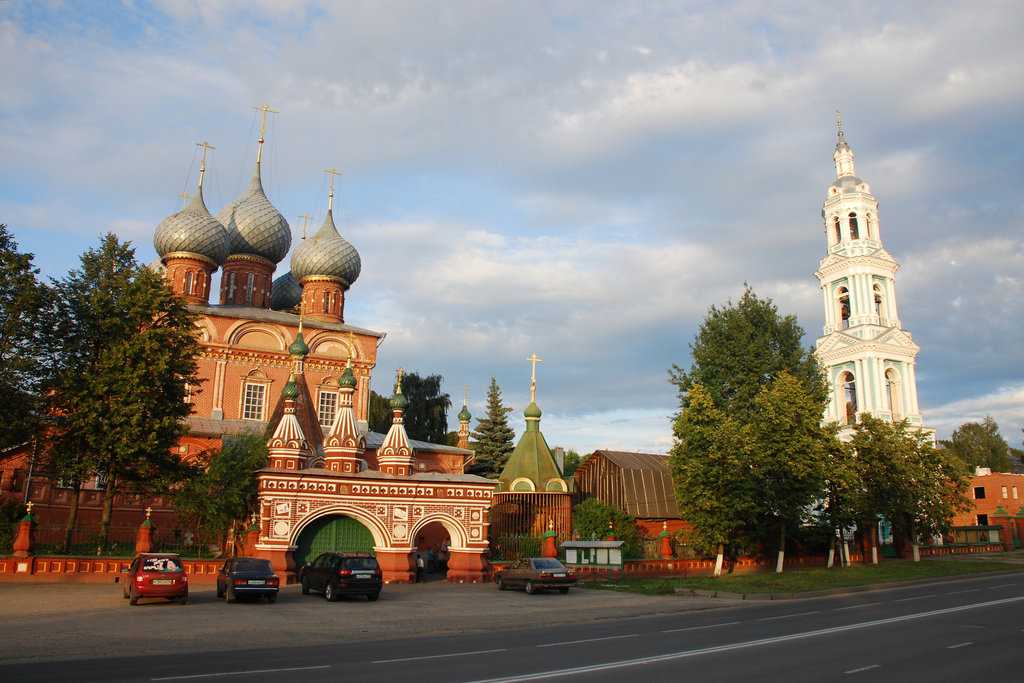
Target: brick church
[{"x": 278, "y": 358}]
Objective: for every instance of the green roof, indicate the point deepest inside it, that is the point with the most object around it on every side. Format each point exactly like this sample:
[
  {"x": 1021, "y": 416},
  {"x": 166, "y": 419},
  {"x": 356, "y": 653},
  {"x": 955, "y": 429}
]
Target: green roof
[
  {"x": 464, "y": 415},
  {"x": 531, "y": 460},
  {"x": 298, "y": 347},
  {"x": 347, "y": 379}
]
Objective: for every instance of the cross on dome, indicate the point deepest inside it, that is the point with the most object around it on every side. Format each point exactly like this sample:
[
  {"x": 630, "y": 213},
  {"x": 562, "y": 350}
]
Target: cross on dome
[
  {"x": 533, "y": 376},
  {"x": 263, "y": 109},
  {"x": 149, "y": 511},
  {"x": 331, "y": 172}
]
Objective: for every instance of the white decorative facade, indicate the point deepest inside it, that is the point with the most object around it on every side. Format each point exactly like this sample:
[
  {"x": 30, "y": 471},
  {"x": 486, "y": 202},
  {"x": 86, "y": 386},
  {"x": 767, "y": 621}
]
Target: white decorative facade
[{"x": 869, "y": 358}]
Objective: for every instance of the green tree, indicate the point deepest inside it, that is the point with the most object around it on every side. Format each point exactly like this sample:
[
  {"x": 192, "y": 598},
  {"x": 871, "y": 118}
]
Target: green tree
[
  {"x": 593, "y": 519},
  {"x": 573, "y": 460},
  {"x": 715, "y": 489},
  {"x": 24, "y": 324},
  {"x": 742, "y": 347},
  {"x": 788, "y": 451},
  {"x": 840, "y": 507},
  {"x": 492, "y": 439},
  {"x": 224, "y": 493},
  {"x": 979, "y": 444},
  {"x": 426, "y": 416},
  {"x": 905, "y": 478},
  {"x": 125, "y": 350}
]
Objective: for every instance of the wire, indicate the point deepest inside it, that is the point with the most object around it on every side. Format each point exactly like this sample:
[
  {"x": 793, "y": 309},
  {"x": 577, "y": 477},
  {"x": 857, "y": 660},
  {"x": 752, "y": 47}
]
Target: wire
[{"x": 184, "y": 187}]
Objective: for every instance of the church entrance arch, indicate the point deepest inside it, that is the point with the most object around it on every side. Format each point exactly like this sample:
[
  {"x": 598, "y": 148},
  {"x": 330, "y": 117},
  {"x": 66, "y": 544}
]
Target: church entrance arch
[
  {"x": 335, "y": 533},
  {"x": 432, "y": 543}
]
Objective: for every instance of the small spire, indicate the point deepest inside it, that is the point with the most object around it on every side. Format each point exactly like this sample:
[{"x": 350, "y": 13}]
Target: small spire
[
  {"x": 840, "y": 133},
  {"x": 331, "y": 172},
  {"x": 398, "y": 380},
  {"x": 533, "y": 376},
  {"x": 202, "y": 164},
  {"x": 398, "y": 401},
  {"x": 263, "y": 109}
]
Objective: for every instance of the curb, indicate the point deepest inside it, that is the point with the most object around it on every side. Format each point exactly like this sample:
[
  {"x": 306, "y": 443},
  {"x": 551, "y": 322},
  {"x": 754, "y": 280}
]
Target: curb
[{"x": 848, "y": 590}]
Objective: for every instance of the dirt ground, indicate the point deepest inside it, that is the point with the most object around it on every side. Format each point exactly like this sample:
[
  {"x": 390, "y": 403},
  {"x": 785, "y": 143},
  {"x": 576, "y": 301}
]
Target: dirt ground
[{"x": 73, "y": 621}]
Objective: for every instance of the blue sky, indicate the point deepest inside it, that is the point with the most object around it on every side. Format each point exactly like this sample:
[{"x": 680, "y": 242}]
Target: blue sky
[{"x": 577, "y": 179}]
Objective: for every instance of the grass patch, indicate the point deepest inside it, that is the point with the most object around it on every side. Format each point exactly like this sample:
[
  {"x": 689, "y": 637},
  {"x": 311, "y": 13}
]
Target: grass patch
[{"x": 805, "y": 580}]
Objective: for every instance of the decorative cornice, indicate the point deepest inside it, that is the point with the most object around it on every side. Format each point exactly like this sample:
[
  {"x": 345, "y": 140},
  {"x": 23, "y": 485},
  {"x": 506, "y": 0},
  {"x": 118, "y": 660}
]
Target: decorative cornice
[
  {"x": 324, "y": 278},
  {"x": 250, "y": 258},
  {"x": 188, "y": 255}
]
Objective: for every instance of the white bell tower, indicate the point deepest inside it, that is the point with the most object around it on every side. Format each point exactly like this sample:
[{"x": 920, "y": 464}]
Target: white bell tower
[{"x": 868, "y": 357}]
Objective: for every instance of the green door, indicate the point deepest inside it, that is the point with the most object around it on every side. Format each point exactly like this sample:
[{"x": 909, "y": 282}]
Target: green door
[{"x": 332, "y": 534}]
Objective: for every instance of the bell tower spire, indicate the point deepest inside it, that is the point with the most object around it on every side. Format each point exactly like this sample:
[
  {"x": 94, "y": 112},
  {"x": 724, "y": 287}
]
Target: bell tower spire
[{"x": 843, "y": 155}]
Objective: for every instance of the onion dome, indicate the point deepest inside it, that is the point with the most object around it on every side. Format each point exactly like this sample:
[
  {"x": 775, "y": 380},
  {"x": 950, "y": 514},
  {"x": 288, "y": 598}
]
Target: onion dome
[
  {"x": 347, "y": 379},
  {"x": 192, "y": 230},
  {"x": 532, "y": 411},
  {"x": 285, "y": 293},
  {"x": 464, "y": 415},
  {"x": 327, "y": 254},
  {"x": 291, "y": 390},
  {"x": 399, "y": 401},
  {"x": 298, "y": 347},
  {"x": 254, "y": 226}
]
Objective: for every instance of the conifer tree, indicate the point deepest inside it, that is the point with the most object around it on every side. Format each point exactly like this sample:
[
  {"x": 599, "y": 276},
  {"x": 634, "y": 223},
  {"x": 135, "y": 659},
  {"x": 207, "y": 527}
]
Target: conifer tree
[{"x": 492, "y": 439}]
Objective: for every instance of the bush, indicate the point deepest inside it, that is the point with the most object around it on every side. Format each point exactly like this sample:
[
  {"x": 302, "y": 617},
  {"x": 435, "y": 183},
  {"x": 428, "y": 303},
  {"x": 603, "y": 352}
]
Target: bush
[
  {"x": 590, "y": 521},
  {"x": 10, "y": 514}
]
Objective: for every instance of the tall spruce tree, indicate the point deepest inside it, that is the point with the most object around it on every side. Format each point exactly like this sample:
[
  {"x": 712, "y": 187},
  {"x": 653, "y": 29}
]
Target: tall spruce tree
[
  {"x": 23, "y": 308},
  {"x": 126, "y": 349},
  {"x": 492, "y": 439}
]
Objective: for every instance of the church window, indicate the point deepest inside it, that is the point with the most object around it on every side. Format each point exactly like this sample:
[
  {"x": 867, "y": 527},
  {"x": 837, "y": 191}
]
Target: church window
[
  {"x": 849, "y": 398},
  {"x": 253, "y": 401},
  {"x": 839, "y": 232},
  {"x": 979, "y": 493},
  {"x": 231, "y": 287},
  {"x": 844, "y": 308},
  {"x": 892, "y": 391},
  {"x": 328, "y": 407},
  {"x": 982, "y": 520},
  {"x": 250, "y": 286},
  {"x": 327, "y": 302},
  {"x": 878, "y": 301},
  {"x": 854, "y": 232},
  {"x": 188, "y": 282},
  {"x": 188, "y": 392},
  {"x": 1005, "y": 493},
  {"x": 1015, "y": 493}
]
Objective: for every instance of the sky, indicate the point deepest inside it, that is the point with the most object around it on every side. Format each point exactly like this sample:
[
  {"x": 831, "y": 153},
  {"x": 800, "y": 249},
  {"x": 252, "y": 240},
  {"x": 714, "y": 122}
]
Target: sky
[{"x": 577, "y": 179}]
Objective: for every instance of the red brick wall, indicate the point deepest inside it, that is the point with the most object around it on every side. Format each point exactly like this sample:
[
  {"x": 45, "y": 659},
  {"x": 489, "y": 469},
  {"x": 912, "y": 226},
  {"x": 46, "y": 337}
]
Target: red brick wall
[{"x": 993, "y": 484}]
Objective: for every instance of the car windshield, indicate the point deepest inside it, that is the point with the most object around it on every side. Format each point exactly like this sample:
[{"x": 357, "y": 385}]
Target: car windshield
[
  {"x": 161, "y": 564},
  {"x": 547, "y": 564},
  {"x": 247, "y": 565},
  {"x": 361, "y": 563}
]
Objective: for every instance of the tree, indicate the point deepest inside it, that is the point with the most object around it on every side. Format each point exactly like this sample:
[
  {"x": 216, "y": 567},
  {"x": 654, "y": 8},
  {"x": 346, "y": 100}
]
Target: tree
[
  {"x": 905, "y": 478},
  {"x": 840, "y": 506},
  {"x": 594, "y": 519},
  {"x": 23, "y": 326},
  {"x": 788, "y": 451},
  {"x": 225, "y": 491},
  {"x": 426, "y": 415},
  {"x": 493, "y": 437},
  {"x": 573, "y": 460},
  {"x": 125, "y": 351},
  {"x": 742, "y": 347},
  {"x": 979, "y": 444},
  {"x": 712, "y": 474}
]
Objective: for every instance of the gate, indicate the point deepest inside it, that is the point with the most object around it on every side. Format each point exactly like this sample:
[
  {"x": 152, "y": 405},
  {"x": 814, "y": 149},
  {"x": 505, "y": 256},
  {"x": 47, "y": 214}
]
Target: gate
[{"x": 332, "y": 534}]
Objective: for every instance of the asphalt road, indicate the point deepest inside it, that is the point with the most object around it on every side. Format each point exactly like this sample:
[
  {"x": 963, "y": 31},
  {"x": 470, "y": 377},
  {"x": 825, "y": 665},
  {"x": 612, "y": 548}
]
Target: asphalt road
[{"x": 944, "y": 631}]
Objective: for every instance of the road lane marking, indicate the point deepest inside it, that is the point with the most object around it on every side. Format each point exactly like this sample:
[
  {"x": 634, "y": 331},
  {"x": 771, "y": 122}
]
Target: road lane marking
[
  {"x": 969, "y": 590},
  {"x": 241, "y": 673},
  {"x": 787, "y": 616},
  {"x": 700, "y": 628},
  {"x": 864, "y": 604},
  {"x": 863, "y": 668},
  {"x": 589, "y": 640},
  {"x": 959, "y": 645},
  {"x": 917, "y": 597},
  {"x": 1002, "y": 585},
  {"x": 450, "y": 654},
  {"x": 672, "y": 656}
]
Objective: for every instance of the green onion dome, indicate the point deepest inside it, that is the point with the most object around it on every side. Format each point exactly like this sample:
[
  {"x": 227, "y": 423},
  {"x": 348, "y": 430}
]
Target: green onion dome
[
  {"x": 347, "y": 379},
  {"x": 291, "y": 390},
  {"x": 399, "y": 402},
  {"x": 298, "y": 347},
  {"x": 532, "y": 411},
  {"x": 192, "y": 230},
  {"x": 254, "y": 226},
  {"x": 285, "y": 293},
  {"x": 327, "y": 254},
  {"x": 464, "y": 415}
]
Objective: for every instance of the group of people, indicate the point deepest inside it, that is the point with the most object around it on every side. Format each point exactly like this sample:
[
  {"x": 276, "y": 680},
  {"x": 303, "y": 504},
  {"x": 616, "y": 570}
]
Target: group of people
[{"x": 431, "y": 560}]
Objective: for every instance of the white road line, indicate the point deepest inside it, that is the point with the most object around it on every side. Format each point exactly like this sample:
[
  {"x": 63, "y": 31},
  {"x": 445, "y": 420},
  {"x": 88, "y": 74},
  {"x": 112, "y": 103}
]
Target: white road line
[
  {"x": 863, "y": 604},
  {"x": 863, "y": 668},
  {"x": 450, "y": 654},
  {"x": 1002, "y": 585},
  {"x": 969, "y": 590},
  {"x": 241, "y": 673},
  {"x": 917, "y": 597},
  {"x": 700, "y": 628},
  {"x": 672, "y": 656},
  {"x": 787, "y": 616},
  {"x": 589, "y": 640},
  {"x": 958, "y": 645}
]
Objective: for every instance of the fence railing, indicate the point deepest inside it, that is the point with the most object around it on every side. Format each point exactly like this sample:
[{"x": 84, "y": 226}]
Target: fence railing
[{"x": 49, "y": 540}]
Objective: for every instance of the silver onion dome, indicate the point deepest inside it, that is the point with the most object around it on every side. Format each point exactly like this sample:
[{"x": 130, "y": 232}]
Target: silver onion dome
[
  {"x": 327, "y": 254},
  {"x": 285, "y": 293},
  {"x": 192, "y": 230},
  {"x": 254, "y": 226}
]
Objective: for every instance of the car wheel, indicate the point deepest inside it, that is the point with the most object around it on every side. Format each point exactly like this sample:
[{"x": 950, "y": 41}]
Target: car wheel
[
  {"x": 133, "y": 599},
  {"x": 330, "y": 593},
  {"x": 230, "y": 595},
  {"x": 529, "y": 588},
  {"x": 563, "y": 591},
  {"x": 372, "y": 597},
  {"x": 272, "y": 597},
  {"x": 305, "y": 586},
  {"x": 183, "y": 600},
  {"x": 220, "y": 591},
  {"x": 501, "y": 584}
]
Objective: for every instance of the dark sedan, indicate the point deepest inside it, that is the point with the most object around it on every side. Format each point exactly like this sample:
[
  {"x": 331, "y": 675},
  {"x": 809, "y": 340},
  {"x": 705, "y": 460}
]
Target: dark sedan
[
  {"x": 247, "y": 576},
  {"x": 537, "y": 574},
  {"x": 337, "y": 574}
]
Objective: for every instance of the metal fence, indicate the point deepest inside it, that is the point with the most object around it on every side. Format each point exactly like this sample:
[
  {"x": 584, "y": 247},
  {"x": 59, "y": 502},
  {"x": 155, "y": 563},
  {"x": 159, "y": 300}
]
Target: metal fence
[{"x": 49, "y": 540}]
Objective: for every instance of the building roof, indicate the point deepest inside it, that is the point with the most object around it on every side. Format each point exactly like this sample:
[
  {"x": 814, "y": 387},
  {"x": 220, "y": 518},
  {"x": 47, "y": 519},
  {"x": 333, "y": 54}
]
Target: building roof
[
  {"x": 647, "y": 487},
  {"x": 283, "y": 317},
  {"x": 531, "y": 460}
]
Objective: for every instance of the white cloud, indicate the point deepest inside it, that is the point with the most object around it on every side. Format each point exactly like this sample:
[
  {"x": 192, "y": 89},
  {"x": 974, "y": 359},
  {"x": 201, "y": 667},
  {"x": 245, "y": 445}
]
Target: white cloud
[{"x": 1005, "y": 405}]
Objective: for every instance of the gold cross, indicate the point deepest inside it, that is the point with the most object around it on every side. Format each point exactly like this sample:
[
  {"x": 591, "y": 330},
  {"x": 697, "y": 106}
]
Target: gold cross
[
  {"x": 305, "y": 222},
  {"x": 202, "y": 164},
  {"x": 149, "y": 511},
  {"x": 331, "y": 172},
  {"x": 28, "y": 507},
  {"x": 263, "y": 109},
  {"x": 533, "y": 376},
  {"x": 465, "y": 395}
]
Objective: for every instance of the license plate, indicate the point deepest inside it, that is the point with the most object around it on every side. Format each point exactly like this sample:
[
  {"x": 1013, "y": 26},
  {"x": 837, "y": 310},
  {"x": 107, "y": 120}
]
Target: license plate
[
  {"x": 163, "y": 582},
  {"x": 257, "y": 582},
  {"x": 363, "y": 575},
  {"x": 560, "y": 576}
]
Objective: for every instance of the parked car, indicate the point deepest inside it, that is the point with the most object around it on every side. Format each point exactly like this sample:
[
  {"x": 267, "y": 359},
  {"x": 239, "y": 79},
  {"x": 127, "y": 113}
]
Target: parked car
[
  {"x": 155, "y": 575},
  {"x": 247, "y": 576},
  {"x": 536, "y": 574},
  {"x": 337, "y": 574}
]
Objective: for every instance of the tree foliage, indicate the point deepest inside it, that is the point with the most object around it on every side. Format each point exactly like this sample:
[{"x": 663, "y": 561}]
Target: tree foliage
[
  {"x": 593, "y": 519},
  {"x": 492, "y": 439},
  {"x": 24, "y": 327},
  {"x": 979, "y": 444},
  {"x": 426, "y": 415},
  {"x": 573, "y": 460}
]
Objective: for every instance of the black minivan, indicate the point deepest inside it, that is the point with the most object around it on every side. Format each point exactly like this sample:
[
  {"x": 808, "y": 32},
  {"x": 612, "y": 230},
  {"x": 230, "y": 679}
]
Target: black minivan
[{"x": 337, "y": 574}]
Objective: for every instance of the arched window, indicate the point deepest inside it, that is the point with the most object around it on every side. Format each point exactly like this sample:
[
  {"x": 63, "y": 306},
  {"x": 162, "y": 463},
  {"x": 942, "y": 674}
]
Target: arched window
[
  {"x": 839, "y": 232},
  {"x": 327, "y": 303},
  {"x": 188, "y": 282},
  {"x": 250, "y": 286},
  {"x": 844, "y": 308},
  {"x": 849, "y": 394},
  {"x": 231, "y": 287},
  {"x": 892, "y": 392},
  {"x": 879, "y": 307},
  {"x": 854, "y": 232}
]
